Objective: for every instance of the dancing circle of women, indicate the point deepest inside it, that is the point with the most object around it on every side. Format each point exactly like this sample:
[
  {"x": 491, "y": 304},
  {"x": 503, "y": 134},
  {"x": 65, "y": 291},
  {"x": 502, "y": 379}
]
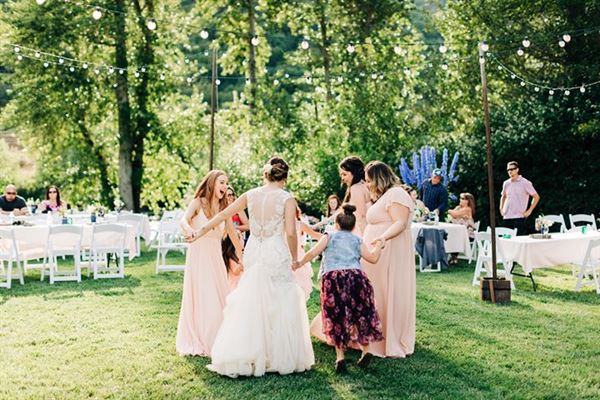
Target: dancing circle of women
[{"x": 245, "y": 307}]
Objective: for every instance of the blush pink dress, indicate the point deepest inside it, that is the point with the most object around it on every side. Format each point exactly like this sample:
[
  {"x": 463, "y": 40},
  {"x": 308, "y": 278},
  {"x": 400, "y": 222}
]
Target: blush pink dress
[
  {"x": 393, "y": 277},
  {"x": 205, "y": 288},
  {"x": 303, "y": 275}
]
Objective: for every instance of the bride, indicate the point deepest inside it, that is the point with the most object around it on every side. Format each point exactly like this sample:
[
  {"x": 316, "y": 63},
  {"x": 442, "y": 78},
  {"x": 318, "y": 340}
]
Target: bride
[{"x": 265, "y": 324}]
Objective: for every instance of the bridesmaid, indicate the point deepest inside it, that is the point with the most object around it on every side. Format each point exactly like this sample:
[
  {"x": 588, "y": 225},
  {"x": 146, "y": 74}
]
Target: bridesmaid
[
  {"x": 393, "y": 276},
  {"x": 352, "y": 173},
  {"x": 205, "y": 284}
]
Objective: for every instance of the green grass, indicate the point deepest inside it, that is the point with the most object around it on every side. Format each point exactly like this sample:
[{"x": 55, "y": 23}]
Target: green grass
[{"x": 116, "y": 339}]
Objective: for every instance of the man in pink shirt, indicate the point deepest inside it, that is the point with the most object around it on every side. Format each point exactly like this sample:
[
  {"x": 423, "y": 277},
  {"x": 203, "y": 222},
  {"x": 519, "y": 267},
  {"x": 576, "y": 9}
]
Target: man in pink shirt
[{"x": 514, "y": 204}]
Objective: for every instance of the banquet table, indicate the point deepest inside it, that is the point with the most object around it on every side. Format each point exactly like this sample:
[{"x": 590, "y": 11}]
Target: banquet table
[
  {"x": 457, "y": 240},
  {"x": 32, "y": 237},
  {"x": 562, "y": 248}
]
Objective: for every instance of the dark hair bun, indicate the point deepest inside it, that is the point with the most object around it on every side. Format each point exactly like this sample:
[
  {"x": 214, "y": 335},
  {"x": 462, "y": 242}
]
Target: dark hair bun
[
  {"x": 279, "y": 169},
  {"x": 349, "y": 209}
]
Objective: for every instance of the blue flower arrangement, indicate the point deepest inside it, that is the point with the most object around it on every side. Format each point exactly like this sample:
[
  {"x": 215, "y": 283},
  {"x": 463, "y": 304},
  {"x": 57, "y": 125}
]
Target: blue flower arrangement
[{"x": 424, "y": 162}]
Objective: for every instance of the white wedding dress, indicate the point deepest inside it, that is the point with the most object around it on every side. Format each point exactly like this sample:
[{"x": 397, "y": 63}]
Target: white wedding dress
[{"x": 265, "y": 325}]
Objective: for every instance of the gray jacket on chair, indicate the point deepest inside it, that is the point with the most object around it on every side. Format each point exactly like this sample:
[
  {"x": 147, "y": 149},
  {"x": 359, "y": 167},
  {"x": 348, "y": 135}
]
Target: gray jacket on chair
[{"x": 430, "y": 246}]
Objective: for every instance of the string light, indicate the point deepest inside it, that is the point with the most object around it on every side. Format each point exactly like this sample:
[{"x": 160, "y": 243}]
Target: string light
[
  {"x": 567, "y": 92},
  {"x": 484, "y": 47},
  {"x": 443, "y": 49},
  {"x": 37, "y": 54},
  {"x": 254, "y": 41},
  {"x": 304, "y": 45},
  {"x": 526, "y": 43},
  {"x": 204, "y": 34},
  {"x": 398, "y": 50},
  {"x": 97, "y": 14},
  {"x": 520, "y": 52},
  {"x": 561, "y": 43},
  {"x": 350, "y": 48},
  {"x": 151, "y": 24},
  {"x": 40, "y": 2},
  {"x": 566, "y": 37},
  {"x": 582, "y": 89}
]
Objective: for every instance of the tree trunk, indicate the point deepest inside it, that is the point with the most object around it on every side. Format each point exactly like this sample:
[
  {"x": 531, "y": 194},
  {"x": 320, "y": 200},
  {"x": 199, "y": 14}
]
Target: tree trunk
[
  {"x": 251, "y": 52},
  {"x": 124, "y": 110},
  {"x": 106, "y": 195},
  {"x": 325, "y": 48},
  {"x": 143, "y": 116}
]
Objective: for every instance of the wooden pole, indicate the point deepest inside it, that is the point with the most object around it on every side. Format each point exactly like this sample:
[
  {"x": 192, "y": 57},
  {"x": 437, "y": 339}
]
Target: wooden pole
[
  {"x": 490, "y": 170},
  {"x": 213, "y": 108}
]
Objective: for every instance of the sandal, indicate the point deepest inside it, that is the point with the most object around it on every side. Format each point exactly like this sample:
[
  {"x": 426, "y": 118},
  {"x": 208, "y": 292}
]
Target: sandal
[
  {"x": 340, "y": 366},
  {"x": 364, "y": 360}
]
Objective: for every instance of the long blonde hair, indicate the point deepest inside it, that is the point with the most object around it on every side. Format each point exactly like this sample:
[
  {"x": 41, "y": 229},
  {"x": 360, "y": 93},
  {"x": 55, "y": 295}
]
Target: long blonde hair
[
  {"x": 206, "y": 190},
  {"x": 382, "y": 178}
]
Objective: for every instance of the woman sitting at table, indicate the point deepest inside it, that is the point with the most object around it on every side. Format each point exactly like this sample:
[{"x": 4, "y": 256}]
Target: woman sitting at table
[
  {"x": 463, "y": 214},
  {"x": 53, "y": 203}
]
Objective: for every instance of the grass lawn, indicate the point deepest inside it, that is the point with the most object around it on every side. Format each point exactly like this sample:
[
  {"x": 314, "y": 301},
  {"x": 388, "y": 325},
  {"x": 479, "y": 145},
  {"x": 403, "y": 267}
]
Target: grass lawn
[{"x": 116, "y": 339}]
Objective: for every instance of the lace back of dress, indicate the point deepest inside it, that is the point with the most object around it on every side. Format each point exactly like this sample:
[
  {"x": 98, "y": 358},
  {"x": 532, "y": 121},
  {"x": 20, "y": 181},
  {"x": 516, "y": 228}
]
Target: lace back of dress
[{"x": 266, "y": 208}]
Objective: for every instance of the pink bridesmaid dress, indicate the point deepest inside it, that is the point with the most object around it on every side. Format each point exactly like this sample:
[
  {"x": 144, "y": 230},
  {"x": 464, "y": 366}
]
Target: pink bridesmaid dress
[
  {"x": 205, "y": 287},
  {"x": 393, "y": 277},
  {"x": 303, "y": 275}
]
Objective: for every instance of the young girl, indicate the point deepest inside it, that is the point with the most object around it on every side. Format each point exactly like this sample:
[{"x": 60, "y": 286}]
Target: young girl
[
  {"x": 303, "y": 275},
  {"x": 233, "y": 263},
  {"x": 347, "y": 304}
]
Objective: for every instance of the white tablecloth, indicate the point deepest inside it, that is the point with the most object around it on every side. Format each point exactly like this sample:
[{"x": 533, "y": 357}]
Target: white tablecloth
[
  {"x": 562, "y": 248},
  {"x": 457, "y": 240},
  {"x": 30, "y": 237}
]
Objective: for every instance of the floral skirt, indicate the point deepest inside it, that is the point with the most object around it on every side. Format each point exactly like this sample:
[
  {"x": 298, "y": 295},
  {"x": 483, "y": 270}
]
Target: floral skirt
[{"x": 348, "y": 309}]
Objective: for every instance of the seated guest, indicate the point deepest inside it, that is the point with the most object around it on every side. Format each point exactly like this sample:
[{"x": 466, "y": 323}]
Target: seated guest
[
  {"x": 464, "y": 214},
  {"x": 11, "y": 203},
  {"x": 434, "y": 194},
  {"x": 53, "y": 203},
  {"x": 415, "y": 196}
]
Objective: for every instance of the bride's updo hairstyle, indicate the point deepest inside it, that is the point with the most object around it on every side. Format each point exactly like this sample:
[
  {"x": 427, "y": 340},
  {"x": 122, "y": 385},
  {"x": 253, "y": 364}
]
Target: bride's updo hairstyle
[
  {"x": 346, "y": 220},
  {"x": 276, "y": 169}
]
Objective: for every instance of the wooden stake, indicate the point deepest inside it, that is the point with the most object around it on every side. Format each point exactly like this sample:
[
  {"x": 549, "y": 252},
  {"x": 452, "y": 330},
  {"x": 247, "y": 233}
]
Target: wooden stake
[
  {"x": 213, "y": 108},
  {"x": 490, "y": 170}
]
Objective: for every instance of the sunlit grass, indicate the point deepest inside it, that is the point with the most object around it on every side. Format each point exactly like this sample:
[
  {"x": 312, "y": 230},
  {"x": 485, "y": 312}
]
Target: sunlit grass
[{"x": 116, "y": 339}]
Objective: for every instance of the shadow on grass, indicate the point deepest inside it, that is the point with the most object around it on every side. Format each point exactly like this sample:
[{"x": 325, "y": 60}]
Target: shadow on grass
[
  {"x": 424, "y": 375},
  {"x": 63, "y": 290}
]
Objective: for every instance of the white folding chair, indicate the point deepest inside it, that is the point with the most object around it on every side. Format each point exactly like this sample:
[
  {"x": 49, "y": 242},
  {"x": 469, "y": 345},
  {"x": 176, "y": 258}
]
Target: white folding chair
[
  {"x": 169, "y": 238},
  {"x": 136, "y": 221},
  {"x": 107, "y": 240},
  {"x": 63, "y": 240},
  {"x": 589, "y": 268},
  {"x": 502, "y": 231},
  {"x": 473, "y": 245},
  {"x": 484, "y": 258},
  {"x": 589, "y": 220},
  {"x": 558, "y": 219},
  {"x": 9, "y": 254}
]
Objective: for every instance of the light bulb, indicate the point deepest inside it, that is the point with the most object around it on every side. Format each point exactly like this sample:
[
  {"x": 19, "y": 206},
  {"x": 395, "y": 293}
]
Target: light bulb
[
  {"x": 582, "y": 89},
  {"x": 162, "y": 77},
  {"x": 561, "y": 43},
  {"x": 304, "y": 45},
  {"x": 40, "y": 2},
  {"x": 37, "y": 54},
  {"x": 254, "y": 41},
  {"x": 308, "y": 79},
  {"x": 567, "y": 92},
  {"x": 566, "y": 37},
  {"x": 484, "y": 47},
  {"x": 340, "y": 79},
  {"x": 276, "y": 82},
  {"x": 350, "y": 48},
  {"x": 19, "y": 57},
  {"x": 72, "y": 69},
  {"x": 513, "y": 76},
  {"x": 247, "y": 81},
  {"x": 520, "y": 52},
  {"x": 189, "y": 80},
  {"x": 17, "y": 49},
  {"x": 398, "y": 50},
  {"x": 551, "y": 92},
  {"x": 537, "y": 89},
  {"x": 445, "y": 67},
  {"x": 121, "y": 71},
  {"x": 143, "y": 69},
  {"x": 137, "y": 74},
  {"x": 151, "y": 24},
  {"x": 218, "y": 82},
  {"x": 61, "y": 61},
  {"x": 286, "y": 75},
  {"x": 443, "y": 49},
  {"x": 522, "y": 83},
  {"x": 526, "y": 42},
  {"x": 111, "y": 70},
  {"x": 97, "y": 14},
  {"x": 373, "y": 76},
  {"x": 46, "y": 64},
  {"x": 481, "y": 60},
  {"x": 84, "y": 66},
  {"x": 204, "y": 34}
]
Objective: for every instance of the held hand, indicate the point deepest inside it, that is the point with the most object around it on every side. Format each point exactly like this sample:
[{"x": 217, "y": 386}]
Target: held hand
[
  {"x": 380, "y": 241},
  {"x": 295, "y": 265},
  {"x": 526, "y": 214}
]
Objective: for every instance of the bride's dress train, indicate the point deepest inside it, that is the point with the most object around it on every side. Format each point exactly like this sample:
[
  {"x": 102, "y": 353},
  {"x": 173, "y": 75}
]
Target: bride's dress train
[{"x": 265, "y": 324}]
